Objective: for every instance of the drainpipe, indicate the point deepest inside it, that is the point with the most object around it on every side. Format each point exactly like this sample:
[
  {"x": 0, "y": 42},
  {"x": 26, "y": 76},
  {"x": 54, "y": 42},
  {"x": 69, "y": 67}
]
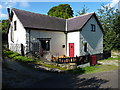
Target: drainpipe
[
  {"x": 29, "y": 40},
  {"x": 66, "y": 36}
]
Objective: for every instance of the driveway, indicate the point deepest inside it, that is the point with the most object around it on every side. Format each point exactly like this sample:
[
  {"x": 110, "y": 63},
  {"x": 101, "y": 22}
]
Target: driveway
[{"x": 19, "y": 75}]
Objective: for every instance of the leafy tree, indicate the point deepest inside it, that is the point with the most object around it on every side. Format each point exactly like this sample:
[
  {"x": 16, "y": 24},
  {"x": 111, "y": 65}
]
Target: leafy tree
[
  {"x": 83, "y": 11},
  {"x": 116, "y": 28},
  {"x": 109, "y": 18},
  {"x": 61, "y": 11},
  {"x": 4, "y": 27}
]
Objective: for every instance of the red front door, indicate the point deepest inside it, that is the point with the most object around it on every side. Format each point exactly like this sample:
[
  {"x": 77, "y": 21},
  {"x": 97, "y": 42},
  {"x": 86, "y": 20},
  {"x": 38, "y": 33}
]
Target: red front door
[{"x": 71, "y": 49}]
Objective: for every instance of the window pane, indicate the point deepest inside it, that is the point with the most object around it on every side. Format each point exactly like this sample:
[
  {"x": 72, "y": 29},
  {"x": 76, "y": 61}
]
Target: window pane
[
  {"x": 92, "y": 27},
  {"x": 85, "y": 47},
  {"x": 45, "y": 44},
  {"x": 35, "y": 46},
  {"x": 14, "y": 25}
]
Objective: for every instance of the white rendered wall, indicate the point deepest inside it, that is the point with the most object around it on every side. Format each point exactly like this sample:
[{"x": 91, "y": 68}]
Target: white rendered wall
[
  {"x": 57, "y": 40},
  {"x": 19, "y": 35},
  {"x": 74, "y": 37},
  {"x": 94, "y": 39}
]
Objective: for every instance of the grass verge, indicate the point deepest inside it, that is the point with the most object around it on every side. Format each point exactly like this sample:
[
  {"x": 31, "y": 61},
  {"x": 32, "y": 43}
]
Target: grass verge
[
  {"x": 16, "y": 56},
  {"x": 94, "y": 69},
  {"x": 50, "y": 65}
]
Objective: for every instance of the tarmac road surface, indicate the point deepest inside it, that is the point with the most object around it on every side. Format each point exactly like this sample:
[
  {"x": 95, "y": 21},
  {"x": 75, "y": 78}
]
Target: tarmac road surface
[{"x": 18, "y": 75}]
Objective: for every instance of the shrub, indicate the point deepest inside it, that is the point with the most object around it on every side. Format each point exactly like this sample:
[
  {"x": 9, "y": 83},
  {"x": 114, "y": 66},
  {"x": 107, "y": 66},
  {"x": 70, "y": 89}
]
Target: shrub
[
  {"x": 13, "y": 55},
  {"x": 16, "y": 56},
  {"x": 23, "y": 59},
  {"x": 6, "y": 53}
]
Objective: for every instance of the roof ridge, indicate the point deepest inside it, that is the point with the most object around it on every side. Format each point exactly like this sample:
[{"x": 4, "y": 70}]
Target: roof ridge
[
  {"x": 81, "y": 15},
  {"x": 54, "y": 16},
  {"x": 39, "y": 14}
]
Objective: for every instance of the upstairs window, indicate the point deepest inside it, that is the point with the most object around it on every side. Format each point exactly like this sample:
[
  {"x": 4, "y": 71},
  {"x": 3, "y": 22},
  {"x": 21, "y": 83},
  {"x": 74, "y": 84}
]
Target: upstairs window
[
  {"x": 15, "y": 25},
  {"x": 93, "y": 27}
]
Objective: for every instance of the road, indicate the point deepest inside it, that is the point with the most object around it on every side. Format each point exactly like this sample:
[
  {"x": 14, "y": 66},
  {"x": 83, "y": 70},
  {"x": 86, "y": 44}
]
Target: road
[{"x": 19, "y": 75}]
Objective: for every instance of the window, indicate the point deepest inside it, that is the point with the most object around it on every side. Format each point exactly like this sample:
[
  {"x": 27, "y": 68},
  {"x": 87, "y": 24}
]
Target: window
[
  {"x": 12, "y": 34},
  {"x": 14, "y": 25},
  {"x": 45, "y": 44},
  {"x": 35, "y": 46},
  {"x": 85, "y": 47},
  {"x": 93, "y": 27}
]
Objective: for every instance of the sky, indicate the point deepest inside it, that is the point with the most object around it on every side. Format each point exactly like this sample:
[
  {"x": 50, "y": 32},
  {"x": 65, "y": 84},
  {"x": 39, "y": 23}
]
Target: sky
[{"x": 42, "y": 7}]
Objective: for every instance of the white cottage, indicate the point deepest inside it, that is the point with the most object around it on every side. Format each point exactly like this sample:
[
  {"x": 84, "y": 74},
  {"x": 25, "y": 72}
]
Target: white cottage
[{"x": 31, "y": 32}]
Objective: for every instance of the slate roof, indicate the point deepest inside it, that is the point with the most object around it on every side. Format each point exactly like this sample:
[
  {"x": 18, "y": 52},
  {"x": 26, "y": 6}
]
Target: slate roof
[
  {"x": 76, "y": 23},
  {"x": 39, "y": 21}
]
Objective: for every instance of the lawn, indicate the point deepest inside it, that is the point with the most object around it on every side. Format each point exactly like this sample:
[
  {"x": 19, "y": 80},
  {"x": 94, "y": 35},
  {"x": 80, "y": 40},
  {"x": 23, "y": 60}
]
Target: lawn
[{"x": 99, "y": 68}]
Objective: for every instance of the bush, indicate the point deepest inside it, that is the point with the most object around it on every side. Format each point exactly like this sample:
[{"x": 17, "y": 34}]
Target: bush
[
  {"x": 13, "y": 55},
  {"x": 23, "y": 59},
  {"x": 16, "y": 56},
  {"x": 6, "y": 53}
]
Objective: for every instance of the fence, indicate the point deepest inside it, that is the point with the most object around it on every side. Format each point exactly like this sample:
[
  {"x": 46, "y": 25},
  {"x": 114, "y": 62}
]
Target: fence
[
  {"x": 85, "y": 59},
  {"x": 77, "y": 60}
]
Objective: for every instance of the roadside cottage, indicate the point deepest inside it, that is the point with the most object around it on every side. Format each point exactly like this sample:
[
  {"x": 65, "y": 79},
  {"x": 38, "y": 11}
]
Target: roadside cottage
[{"x": 31, "y": 32}]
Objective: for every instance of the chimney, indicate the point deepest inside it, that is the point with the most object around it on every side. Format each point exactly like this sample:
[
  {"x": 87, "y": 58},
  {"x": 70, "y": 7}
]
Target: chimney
[{"x": 9, "y": 15}]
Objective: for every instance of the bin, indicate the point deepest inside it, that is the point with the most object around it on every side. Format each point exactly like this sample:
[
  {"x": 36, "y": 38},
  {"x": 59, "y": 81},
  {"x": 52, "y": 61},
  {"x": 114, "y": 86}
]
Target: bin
[{"x": 93, "y": 60}]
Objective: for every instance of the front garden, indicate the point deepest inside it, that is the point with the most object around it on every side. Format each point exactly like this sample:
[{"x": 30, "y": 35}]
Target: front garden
[{"x": 102, "y": 65}]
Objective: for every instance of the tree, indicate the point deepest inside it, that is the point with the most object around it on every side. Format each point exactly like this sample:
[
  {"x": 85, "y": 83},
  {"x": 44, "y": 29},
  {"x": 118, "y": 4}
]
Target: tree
[
  {"x": 116, "y": 28},
  {"x": 83, "y": 11},
  {"x": 4, "y": 27},
  {"x": 109, "y": 18},
  {"x": 61, "y": 11}
]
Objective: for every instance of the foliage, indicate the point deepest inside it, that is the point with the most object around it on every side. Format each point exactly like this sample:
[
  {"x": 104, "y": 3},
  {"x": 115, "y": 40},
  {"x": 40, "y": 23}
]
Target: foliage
[
  {"x": 13, "y": 55},
  {"x": 49, "y": 65},
  {"x": 4, "y": 27},
  {"x": 116, "y": 58},
  {"x": 9, "y": 53},
  {"x": 6, "y": 53},
  {"x": 61, "y": 11},
  {"x": 53, "y": 66},
  {"x": 83, "y": 11},
  {"x": 23, "y": 59},
  {"x": 94, "y": 69},
  {"x": 109, "y": 18},
  {"x": 16, "y": 56}
]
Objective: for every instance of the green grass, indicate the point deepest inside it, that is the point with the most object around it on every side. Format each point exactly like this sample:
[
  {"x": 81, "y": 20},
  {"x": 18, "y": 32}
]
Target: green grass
[
  {"x": 23, "y": 59},
  {"x": 50, "y": 65},
  {"x": 94, "y": 69},
  {"x": 13, "y": 55},
  {"x": 110, "y": 58},
  {"x": 16, "y": 56},
  {"x": 97, "y": 68},
  {"x": 6, "y": 53}
]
